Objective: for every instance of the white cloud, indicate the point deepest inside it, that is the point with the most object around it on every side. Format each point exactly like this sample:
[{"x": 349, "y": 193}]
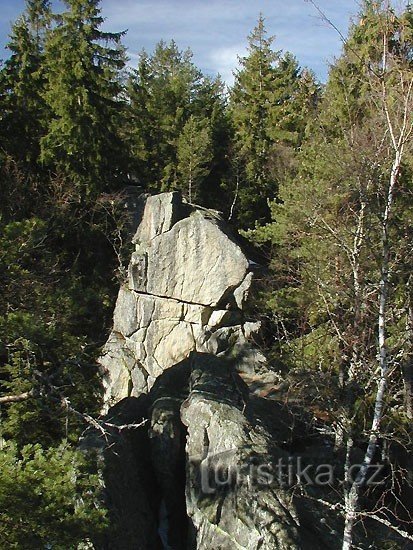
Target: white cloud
[
  {"x": 216, "y": 30},
  {"x": 224, "y": 61}
]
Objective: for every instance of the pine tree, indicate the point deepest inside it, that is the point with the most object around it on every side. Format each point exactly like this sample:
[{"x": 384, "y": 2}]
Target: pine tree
[
  {"x": 293, "y": 109},
  {"x": 83, "y": 93}
]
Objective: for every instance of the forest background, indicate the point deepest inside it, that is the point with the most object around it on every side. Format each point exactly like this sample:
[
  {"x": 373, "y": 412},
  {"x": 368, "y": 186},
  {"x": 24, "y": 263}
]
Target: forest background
[{"x": 317, "y": 177}]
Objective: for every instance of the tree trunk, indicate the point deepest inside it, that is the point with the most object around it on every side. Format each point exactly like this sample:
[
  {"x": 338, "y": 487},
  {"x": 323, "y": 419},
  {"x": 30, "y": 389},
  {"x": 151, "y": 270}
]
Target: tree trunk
[{"x": 352, "y": 497}]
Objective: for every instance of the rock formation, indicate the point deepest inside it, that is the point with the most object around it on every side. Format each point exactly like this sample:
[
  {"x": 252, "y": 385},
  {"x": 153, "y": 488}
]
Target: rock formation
[
  {"x": 179, "y": 341},
  {"x": 229, "y": 500},
  {"x": 187, "y": 283}
]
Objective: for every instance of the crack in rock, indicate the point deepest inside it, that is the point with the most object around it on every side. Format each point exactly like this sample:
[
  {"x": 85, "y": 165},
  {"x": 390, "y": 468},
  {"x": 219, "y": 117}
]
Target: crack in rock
[{"x": 178, "y": 342}]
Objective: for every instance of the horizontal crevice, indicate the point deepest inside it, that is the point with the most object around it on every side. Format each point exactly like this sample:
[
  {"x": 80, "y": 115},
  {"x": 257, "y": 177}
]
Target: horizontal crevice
[{"x": 177, "y": 300}]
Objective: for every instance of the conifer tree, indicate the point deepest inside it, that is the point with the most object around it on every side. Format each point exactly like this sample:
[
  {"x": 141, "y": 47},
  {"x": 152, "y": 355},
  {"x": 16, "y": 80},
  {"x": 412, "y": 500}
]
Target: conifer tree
[
  {"x": 340, "y": 256},
  {"x": 22, "y": 80},
  {"x": 49, "y": 498},
  {"x": 83, "y": 69},
  {"x": 294, "y": 95},
  {"x": 251, "y": 102},
  {"x": 210, "y": 103},
  {"x": 194, "y": 152},
  {"x": 161, "y": 90},
  {"x": 350, "y": 77},
  {"x": 270, "y": 109},
  {"x": 165, "y": 91}
]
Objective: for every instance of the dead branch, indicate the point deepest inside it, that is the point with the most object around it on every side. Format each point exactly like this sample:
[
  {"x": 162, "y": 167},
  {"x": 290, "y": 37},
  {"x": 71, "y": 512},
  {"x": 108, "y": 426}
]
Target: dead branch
[
  {"x": 17, "y": 398},
  {"x": 99, "y": 424}
]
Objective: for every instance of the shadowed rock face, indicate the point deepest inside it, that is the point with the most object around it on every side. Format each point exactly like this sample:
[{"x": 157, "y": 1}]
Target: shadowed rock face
[
  {"x": 227, "y": 503},
  {"x": 179, "y": 341}
]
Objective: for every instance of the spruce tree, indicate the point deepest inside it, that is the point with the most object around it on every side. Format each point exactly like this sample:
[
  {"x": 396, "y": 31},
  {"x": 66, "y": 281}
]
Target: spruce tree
[
  {"x": 340, "y": 251},
  {"x": 161, "y": 92},
  {"x": 270, "y": 108},
  {"x": 165, "y": 91},
  {"x": 194, "y": 152},
  {"x": 210, "y": 103},
  {"x": 83, "y": 69},
  {"x": 251, "y": 101},
  {"x": 294, "y": 95},
  {"x": 22, "y": 81},
  {"x": 49, "y": 498}
]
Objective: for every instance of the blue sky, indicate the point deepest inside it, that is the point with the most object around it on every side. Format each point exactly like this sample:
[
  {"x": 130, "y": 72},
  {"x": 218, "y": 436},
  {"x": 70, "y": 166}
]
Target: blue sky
[{"x": 216, "y": 30}]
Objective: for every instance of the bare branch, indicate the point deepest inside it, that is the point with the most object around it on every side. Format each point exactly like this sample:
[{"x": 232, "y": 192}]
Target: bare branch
[
  {"x": 100, "y": 425},
  {"x": 17, "y": 398},
  {"x": 388, "y": 524}
]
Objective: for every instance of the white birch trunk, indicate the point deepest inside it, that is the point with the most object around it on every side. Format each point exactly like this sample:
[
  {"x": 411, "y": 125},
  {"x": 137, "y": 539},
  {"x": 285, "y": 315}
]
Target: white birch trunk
[{"x": 352, "y": 496}]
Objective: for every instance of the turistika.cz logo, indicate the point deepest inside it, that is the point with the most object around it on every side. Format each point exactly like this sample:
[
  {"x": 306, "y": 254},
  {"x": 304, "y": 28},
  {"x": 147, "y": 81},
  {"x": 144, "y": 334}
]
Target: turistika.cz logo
[{"x": 222, "y": 470}]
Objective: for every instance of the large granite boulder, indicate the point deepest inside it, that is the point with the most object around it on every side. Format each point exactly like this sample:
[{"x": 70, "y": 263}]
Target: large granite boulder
[{"x": 187, "y": 283}]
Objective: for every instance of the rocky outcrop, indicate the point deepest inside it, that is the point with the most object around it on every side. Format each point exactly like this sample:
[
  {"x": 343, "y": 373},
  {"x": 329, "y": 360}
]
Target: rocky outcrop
[
  {"x": 231, "y": 500},
  {"x": 180, "y": 339},
  {"x": 187, "y": 283}
]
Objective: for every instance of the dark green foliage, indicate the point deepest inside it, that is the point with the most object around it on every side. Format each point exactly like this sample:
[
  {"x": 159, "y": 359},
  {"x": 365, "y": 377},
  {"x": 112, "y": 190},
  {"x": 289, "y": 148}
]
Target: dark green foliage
[
  {"x": 161, "y": 91},
  {"x": 326, "y": 249},
  {"x": 49, "y": 333},
  {"x": 271, "y": 104},
  {"x": 165, "y": 91},
  {"x": 56, "y": 301},
  {"x": 83, "y": 94},
  {"x": 194, "y": 155},
  {"x": 305, "y": 172},
  {"x": 24, "y": 112},
  {"x": 294, "y": 102},
  {"x": 48, "y": 498},
  {"x": 251, "y": 102},
  {"x": 56, "y": 267},
  {"x": 349, "y": 84}
]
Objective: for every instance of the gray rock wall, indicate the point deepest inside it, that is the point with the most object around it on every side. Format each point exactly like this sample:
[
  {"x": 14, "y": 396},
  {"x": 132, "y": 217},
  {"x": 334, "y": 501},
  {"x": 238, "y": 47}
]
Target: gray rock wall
[{"x": 229, "y": 500}]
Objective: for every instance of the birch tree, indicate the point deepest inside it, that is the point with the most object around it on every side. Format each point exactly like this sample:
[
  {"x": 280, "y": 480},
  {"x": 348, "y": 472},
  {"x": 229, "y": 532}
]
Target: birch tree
[
  {"x": 394, "y": 81},
  {"x": 341, "y": 255}
]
